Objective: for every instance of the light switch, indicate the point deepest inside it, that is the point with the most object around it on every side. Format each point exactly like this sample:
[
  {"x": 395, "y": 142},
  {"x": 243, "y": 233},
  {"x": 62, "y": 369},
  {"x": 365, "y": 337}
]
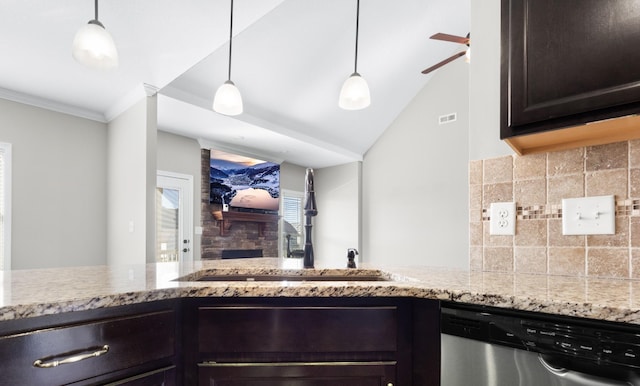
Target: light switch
[
  {"x": 502, "y": 218},
  {"x": 589, "y": 216}
]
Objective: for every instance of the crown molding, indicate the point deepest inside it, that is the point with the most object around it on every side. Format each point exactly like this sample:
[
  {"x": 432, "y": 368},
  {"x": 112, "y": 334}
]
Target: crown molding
[{"x": 48, "y": 104}]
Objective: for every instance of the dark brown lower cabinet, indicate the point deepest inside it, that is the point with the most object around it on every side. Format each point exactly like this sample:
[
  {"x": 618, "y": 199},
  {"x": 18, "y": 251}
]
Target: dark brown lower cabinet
[
  {"x": 300, "y": 342},
  {"x": 298, "y": 374},
  {"x": 229, "y": 342},
  {"x": 161, "y": 377},
  {"x": 131, "y": 345}
]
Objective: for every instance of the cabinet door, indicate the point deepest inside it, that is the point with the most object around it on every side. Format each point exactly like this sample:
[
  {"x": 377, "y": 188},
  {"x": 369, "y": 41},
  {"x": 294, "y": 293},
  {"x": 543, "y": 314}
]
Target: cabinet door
[
  {"x": 568, "y": 62},
  {"x": 298, "y": 374},
  {"x": 161, "y": 377}
]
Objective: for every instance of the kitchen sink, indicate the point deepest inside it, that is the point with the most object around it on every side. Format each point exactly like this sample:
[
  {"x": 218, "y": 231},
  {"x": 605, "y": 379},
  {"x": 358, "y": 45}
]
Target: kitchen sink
[
  {"x": 222, "y": 275},
  {"x": 291, "y": 278}
]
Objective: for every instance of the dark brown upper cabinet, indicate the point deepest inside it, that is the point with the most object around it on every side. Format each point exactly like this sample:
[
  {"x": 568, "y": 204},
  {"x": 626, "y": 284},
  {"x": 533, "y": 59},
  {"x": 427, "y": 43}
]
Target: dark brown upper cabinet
[{"x": 570, "y": 73}]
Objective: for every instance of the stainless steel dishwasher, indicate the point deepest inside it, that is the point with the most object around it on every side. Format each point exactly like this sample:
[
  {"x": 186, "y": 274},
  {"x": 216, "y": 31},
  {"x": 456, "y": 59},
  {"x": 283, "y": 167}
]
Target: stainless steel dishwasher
[{"x": 492, "y": 346}]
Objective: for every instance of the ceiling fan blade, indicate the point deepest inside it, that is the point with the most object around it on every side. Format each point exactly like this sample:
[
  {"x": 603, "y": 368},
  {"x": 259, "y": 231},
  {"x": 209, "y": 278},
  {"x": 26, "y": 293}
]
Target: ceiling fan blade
[
  {"x": 450, "y": 38},
  {"x": 438, "y": 65}
]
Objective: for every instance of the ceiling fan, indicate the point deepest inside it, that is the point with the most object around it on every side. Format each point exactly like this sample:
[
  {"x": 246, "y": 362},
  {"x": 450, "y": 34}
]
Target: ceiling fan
[{"x": 454, "y": 39}]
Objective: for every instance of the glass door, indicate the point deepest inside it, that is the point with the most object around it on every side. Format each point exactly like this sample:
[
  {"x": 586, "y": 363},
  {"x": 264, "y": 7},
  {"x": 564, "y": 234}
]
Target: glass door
[{"x": 174, "y": 210}]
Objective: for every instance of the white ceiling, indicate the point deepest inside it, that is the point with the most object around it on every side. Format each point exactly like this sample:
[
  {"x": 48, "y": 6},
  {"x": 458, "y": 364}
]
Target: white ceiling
[{"x": 290, "y": 58}]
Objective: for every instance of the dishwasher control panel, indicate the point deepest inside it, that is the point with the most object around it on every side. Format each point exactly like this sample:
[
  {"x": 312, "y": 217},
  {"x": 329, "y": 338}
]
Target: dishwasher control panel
[{"x": 563, "y": 337}]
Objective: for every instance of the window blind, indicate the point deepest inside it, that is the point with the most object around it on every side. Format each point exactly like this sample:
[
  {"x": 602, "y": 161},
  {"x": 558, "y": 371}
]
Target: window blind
[{"x": 292, "y": 216}]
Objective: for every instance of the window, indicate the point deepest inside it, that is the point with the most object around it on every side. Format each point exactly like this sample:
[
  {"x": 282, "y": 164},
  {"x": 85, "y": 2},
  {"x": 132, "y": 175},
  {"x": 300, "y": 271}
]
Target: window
[
  {"x": 291, "y": 229},
  {"x": 5, "y": 206}
]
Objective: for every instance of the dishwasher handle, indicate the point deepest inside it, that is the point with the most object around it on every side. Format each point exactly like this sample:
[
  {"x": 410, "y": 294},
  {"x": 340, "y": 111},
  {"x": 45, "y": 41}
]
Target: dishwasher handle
[{"x": 572, "y": 377}]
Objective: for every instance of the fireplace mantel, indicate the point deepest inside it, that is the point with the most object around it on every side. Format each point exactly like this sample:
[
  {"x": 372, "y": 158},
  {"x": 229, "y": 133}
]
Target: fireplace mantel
[{"x": 226, "y": 220}]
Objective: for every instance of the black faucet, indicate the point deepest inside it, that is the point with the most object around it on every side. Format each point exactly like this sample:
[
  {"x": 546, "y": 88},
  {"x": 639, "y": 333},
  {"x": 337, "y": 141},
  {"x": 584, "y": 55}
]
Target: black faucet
[
  {"x": 351, "y": 255},
  {"x": 310, "y": 210}
]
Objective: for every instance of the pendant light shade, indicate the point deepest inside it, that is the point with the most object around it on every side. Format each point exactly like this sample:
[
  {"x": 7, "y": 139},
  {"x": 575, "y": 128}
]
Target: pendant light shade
[
  {"x": 93, "y": 46},
  {"x": 354, "y": 94},
  {"x": 228, "y": 100}
]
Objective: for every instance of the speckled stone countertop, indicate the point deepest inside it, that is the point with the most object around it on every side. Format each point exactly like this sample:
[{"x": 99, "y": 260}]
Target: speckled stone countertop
[{"x": 29, "y": 293}]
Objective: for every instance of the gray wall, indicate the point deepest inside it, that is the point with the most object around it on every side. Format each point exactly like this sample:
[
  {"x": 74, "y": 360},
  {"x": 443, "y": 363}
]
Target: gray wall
[
  {"x": 337, "y": 225},
  {"x": 415, "y": 200},
  {"x": 131, "y": 185},
  {"x": 182, "y": 155},
  {"x": 484, "y": 82},
  {"x": 59, "y": 187},
  {"x": 292, "y": 177}
]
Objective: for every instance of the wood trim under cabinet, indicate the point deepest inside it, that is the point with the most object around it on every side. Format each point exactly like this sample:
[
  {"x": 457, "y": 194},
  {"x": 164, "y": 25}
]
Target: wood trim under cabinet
[{"x": 590, "y": 134}]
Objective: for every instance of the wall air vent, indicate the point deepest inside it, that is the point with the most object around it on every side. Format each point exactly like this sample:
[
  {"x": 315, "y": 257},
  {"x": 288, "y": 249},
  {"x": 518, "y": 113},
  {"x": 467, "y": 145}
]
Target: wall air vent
[{"x": 447, "y": 118}]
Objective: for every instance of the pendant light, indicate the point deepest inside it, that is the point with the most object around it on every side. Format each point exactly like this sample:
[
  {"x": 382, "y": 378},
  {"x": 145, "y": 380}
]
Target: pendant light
[
  {"x": 355, "y": 91},
  {"x": 228, "y": 100},
  {"x": 93, "y": 46}
]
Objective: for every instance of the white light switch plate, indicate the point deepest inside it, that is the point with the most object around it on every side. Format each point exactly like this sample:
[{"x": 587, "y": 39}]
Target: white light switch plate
[
  {"x": 502, "y": 218},
  {"x": 589, "y": 216}
]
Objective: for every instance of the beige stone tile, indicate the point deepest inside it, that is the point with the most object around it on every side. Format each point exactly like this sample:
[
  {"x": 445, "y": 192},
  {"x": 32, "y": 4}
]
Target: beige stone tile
[
  {"x": 530, "y": 233},
  {"x": 475, "y": 258},
  {"x": 475, "y": 172},
  {"x": 634, "y": 183},
  {"x": 496, "y": 170},
  {"x": 530, "y": 192},
  {"x": 608, "y": 262},
  {"x": 557, "y": 239},
  {"x": 568, "y": 186},
  {"x": 475, "y": 233},
  {"x": 565, "y": 162},
  {"x": 495, "y": 240},
  {"x": 634, "y": 153},
  {"x": 635, "y": 263},
  {"x": 606, "y": 182},
  {"x": 564, "y": 287},
  {"x": 498, "y": 259},
  {"x": 634, "y": 231},
  {"x": 531, "y": 259},
  {"x": 497, "y": 193},
  {"x": 529, "y": 166},
  {"x": 475, "y": 215},
  {"x": 475, "y": 196},
  {"x": 606, "y": 157},
  {"x": 567, "y": 261},
  {"x": 619, "y": 239}
]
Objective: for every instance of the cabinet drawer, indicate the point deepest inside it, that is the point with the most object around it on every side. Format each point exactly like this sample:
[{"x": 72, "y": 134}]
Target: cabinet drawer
[
  {"x": 86, "y": 350},
  {"x": 271, "y": 329},
  {"x": 298, "y": 374}
]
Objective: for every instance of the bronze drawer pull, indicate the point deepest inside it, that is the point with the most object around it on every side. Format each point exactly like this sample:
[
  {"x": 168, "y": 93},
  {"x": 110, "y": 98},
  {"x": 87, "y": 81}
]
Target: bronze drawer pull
[{"x": 75, "y": 358}]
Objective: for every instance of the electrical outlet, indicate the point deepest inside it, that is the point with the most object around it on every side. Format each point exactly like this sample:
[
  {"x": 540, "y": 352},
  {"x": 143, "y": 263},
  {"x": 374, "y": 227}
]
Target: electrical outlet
[
  {"x": 502, "y": 218},
  {"x": 589, "y": 216}
]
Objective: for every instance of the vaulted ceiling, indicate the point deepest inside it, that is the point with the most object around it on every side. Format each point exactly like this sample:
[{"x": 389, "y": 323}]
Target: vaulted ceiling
[{"x": 290, "y": 58}]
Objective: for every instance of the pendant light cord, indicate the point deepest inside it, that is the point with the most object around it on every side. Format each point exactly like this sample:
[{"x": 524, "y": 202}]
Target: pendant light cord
[
  {"x": 96, "y": 9},
  {"x": 355, "y": 66},
  {"x": 230, "y": 39}
]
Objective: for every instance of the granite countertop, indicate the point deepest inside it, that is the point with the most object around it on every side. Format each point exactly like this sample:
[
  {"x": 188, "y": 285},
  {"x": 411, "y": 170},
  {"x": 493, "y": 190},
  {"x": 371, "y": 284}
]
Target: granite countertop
[{"x": 29, "y": 293}]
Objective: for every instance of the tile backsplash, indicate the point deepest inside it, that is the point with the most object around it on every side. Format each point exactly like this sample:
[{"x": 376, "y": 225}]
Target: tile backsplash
[{"x": 537, "y": 184}]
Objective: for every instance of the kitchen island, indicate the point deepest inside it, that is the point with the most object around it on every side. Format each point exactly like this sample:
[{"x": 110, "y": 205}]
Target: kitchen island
[
  {"x": 31, "y": 293},
  {"x": 161, "y": 324}
]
